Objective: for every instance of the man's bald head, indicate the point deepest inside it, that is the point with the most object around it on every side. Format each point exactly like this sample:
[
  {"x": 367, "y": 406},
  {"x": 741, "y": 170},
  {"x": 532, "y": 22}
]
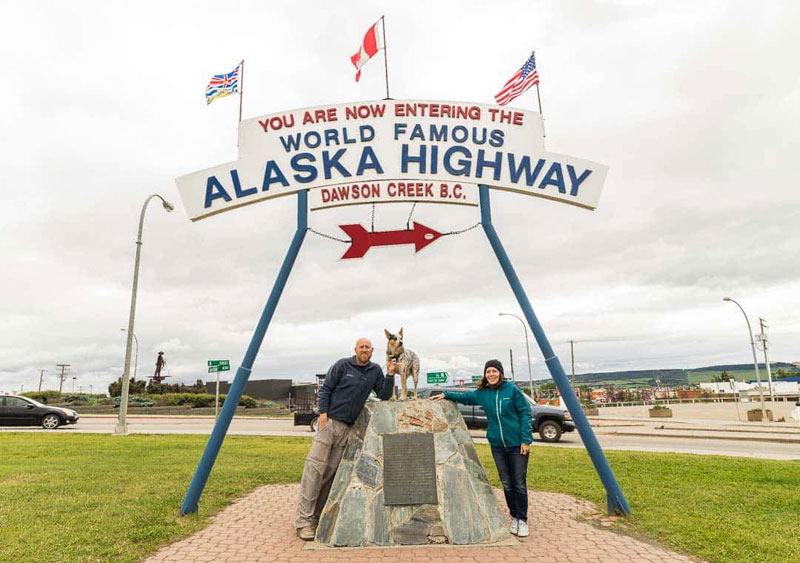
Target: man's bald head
[{"x": 363, "y": 351}]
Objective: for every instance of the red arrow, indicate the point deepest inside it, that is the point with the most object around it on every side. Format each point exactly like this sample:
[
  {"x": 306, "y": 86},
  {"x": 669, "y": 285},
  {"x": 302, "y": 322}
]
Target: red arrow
[{"x": 421, "y": 236}]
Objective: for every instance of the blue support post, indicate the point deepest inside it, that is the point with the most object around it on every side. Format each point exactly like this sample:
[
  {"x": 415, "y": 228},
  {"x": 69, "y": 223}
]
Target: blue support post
[
  {"x": 616, "y": 501},
  {"x": 198, "y": 483}
]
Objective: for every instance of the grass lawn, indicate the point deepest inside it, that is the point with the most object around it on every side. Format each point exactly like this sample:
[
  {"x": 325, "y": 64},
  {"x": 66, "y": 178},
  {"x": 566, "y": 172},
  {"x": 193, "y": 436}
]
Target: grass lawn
[{"x": 83, "y": 497}]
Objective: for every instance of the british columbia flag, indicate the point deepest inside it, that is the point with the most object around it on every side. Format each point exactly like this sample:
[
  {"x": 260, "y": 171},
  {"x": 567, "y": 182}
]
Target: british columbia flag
[{"x": 223, "y": 85}]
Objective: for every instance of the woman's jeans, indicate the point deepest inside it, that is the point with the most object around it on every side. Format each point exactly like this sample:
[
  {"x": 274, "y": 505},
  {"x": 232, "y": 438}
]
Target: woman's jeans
[{"x": 512, "y": 467}]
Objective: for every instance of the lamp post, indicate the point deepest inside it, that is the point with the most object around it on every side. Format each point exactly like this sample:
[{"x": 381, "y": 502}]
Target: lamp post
[
  {"x": 136, "y": 358},
  {"x": 527, "y": 348},
  {"x": 755, "y": 360},
  {"x": 122, "y": 425}
]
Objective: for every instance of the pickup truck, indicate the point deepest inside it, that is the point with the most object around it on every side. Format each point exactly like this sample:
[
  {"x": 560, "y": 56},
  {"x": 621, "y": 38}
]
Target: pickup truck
[{"x": 549, "y": 422}]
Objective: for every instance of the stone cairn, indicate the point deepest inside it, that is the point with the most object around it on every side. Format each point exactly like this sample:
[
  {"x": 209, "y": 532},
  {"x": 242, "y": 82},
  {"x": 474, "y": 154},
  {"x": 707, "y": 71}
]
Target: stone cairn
[{"x": 467, "y": 511}]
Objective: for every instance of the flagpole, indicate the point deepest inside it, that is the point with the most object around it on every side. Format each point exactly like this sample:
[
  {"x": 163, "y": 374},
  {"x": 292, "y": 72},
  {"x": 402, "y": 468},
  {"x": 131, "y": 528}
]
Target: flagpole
[
  {"x": 538, "y": 96},
  {"x": 241, "y": 90},
  {"x": 385, "y": 59}
]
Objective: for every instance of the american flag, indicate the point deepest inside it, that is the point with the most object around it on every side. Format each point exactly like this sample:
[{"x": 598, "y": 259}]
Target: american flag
[
  {"x": 223, "y": 85},
  {"x": 523, "y": 79}
]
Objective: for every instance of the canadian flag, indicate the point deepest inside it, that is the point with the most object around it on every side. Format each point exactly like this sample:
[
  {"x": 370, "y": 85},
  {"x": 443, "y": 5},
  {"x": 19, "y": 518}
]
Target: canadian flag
[{"x": 369, "y": 47}]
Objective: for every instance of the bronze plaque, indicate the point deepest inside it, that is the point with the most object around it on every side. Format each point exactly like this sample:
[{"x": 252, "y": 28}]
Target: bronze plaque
[{"x": 409, "y": 469}]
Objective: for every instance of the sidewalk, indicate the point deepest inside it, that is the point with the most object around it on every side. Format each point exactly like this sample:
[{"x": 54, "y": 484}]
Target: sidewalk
[
  {"x": 696, "y": 428},
  {"x": 258, "y": 528}
]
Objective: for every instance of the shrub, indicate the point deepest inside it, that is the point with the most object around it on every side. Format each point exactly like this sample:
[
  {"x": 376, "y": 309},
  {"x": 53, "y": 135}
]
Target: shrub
[
  {"x": 76, "y": 399},
  {"x": 248, "y": 402},
  {"x": 43, "y": 396},
  {"x": 268, "y": 404},
  {"x": 134, "y": 401},
  {"x": 193, "y": 399}
]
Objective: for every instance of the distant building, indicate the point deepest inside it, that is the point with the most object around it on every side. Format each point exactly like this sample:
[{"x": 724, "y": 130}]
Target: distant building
[
  {"x": 781, "y": 388},
  {"x": 726, "y": 387},
  {"x": 277, "y": 390}
]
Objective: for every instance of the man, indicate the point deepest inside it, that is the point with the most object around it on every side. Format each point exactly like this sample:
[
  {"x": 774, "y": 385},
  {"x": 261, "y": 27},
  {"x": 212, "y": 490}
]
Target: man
[{"x": 341, "y": 398}]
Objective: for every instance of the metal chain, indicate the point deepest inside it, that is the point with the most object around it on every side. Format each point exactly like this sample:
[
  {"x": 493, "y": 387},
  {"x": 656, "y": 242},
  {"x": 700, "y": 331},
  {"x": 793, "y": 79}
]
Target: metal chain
[
  {"x": 323, "y": 235},
  {"x": 478, "y": 224},
  {"x": 408, "y": 221}
]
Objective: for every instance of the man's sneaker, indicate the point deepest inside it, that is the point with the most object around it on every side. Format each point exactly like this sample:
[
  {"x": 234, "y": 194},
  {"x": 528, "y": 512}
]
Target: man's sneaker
[
  {"x": 522, "y": 529},
  {"x": 306, "y": 534},
  {"x": 514, "y": 526}
]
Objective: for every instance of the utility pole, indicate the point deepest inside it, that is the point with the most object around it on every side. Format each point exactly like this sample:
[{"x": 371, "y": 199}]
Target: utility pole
[
  {"x": 41, "y": 376},
  {"x": 511, "y": 359},
  {"x": 763, "y": 338},
  {"x": 572, "y": 357},
  {"x": 62, "y": 376},
  {"x": 755, "y": 360}
]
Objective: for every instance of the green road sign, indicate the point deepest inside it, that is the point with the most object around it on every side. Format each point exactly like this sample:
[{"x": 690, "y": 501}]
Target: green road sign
[
  {"x": 437, "y": 377},
  {"x": 218, "y": 365},
  {"x": 476, "y": 378}
]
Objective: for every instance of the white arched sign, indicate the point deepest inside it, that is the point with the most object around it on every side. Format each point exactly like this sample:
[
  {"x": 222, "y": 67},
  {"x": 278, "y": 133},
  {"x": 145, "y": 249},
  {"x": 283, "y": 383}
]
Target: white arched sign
[{"x": 391, "y": 151}]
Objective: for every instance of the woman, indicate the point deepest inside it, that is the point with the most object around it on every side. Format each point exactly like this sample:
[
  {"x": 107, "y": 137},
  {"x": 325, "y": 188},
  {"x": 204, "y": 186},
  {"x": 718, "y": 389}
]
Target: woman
[{"x": 509, "y": 433}]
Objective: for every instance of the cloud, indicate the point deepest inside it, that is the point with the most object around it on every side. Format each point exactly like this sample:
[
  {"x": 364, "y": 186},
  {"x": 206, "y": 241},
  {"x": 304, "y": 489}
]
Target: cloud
[{"x": 690, "y": 105}]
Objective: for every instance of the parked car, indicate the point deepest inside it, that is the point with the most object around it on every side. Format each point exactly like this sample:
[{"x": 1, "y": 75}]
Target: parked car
[
  {"x": 550, "y": 422},
  {"x": 22, "y": 411}
]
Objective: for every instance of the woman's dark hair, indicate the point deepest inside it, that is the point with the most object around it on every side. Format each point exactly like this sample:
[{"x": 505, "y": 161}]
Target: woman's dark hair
[{"x": 484, "y": 384}]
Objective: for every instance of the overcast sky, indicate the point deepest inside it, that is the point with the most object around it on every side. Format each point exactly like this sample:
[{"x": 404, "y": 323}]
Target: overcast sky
[{"x": 693, "y": 106}]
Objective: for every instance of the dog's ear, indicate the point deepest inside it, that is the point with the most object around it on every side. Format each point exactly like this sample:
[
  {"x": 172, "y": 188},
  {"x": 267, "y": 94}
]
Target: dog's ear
[
  {"x": 388, "y": 334},
  {"x": 401, "y": 333}
]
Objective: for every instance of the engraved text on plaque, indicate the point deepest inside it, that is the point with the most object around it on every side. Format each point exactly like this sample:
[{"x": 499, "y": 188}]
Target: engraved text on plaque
[{"x": 409, "y": 469}]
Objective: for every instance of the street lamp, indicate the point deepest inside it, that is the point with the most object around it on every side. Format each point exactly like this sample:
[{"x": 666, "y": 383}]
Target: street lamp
[
  {"x": 122, "y": 425},
  {"x": 527, "y": 348},
  {"x": 136, "y": 359},
  {"x": 755, "y": 360}
]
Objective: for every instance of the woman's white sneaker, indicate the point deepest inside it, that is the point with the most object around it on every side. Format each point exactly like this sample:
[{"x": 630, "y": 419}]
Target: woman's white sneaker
[
  {"x": 522, "y": 529},
  {"x": 514, "y": 526}
]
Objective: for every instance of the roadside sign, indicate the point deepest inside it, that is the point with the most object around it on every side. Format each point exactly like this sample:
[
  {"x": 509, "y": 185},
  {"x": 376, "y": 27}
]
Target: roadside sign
[
  {"x": 476, "y": 378},
  {"x": 215, "y": 366},
  {"x": 437, "y": 377}
]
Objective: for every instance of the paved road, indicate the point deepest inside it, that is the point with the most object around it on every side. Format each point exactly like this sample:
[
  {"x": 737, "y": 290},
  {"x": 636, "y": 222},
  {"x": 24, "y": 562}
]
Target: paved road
[
  {"x": 630, "y": 434},
  {"x": 702, "y": 446}
]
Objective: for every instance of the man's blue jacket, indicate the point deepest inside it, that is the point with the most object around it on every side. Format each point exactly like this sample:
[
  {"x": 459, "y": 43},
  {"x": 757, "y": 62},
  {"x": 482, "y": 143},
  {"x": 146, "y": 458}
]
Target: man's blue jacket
[{"x": 347, "y": 386}]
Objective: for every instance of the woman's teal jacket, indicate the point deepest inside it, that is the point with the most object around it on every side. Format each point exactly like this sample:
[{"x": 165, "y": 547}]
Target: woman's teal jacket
[{"x": 507, "y": 411}]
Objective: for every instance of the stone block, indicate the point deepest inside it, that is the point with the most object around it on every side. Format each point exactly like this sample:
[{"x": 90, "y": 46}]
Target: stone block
[
  {"x": 467, "y": 511},
  {"x": 349, "y": 529}
]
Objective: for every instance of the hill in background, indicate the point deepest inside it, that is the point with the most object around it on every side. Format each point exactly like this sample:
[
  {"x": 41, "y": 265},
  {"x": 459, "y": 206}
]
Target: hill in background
[{"x": 677, "y": 377}]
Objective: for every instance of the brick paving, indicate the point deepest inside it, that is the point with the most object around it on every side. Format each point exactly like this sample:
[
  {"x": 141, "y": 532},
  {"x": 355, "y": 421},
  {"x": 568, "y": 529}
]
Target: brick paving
[{"x": 258, "y": 528}]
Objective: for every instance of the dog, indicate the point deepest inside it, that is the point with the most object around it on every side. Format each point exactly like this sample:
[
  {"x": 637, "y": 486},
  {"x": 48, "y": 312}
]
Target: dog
[{"x": 407, "y": 362}]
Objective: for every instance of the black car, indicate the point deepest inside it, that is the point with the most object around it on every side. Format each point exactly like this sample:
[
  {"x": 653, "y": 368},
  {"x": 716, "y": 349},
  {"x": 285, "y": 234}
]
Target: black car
[
  {"x": 22, "y": 411},
  {"x": 549, "y": 422}
]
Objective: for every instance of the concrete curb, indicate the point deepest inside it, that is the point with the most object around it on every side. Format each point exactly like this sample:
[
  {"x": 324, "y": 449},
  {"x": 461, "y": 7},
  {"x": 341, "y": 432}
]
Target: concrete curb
[{"x": 705, "y": 436}]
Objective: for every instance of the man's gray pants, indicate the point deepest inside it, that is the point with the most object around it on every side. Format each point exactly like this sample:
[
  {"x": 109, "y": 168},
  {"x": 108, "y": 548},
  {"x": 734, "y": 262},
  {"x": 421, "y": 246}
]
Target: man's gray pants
[{"x": 326, "y": 452}]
